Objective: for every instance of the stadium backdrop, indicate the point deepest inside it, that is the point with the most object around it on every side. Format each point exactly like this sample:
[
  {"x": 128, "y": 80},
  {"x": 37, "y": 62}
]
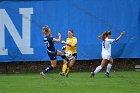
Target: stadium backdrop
[{"x": 21, "y": 37}]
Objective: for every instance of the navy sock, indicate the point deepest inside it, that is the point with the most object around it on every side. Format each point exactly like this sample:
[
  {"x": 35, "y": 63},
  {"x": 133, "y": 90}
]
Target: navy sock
[
  {"x": 63, "y": 57},
  {"x": 47, "y": 69}
]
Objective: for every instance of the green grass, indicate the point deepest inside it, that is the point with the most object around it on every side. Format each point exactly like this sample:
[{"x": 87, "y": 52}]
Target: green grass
[{"x": 120, "y": 82}]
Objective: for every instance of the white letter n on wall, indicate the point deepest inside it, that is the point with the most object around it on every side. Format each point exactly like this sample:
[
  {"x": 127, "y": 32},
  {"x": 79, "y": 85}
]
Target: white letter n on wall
[{"x": 23, "y": 42}]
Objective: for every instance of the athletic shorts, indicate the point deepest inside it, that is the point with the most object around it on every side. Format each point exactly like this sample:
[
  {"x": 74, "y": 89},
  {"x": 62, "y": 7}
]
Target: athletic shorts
[
  {"x": 106, "y": 57},
  {"x": 52, "y": 54},
  {"x": 75, "y": 55}
]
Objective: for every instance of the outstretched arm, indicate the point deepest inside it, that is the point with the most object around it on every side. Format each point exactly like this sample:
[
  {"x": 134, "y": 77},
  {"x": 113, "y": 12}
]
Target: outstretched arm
[
  {"x": 58, "y": 39},
  {"x": 73, "y": 44},
  {"x": 119, "y": 37}
]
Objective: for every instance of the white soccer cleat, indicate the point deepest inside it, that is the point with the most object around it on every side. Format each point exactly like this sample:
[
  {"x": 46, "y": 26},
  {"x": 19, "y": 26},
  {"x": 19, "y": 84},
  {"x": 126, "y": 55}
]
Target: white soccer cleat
[{"x": 42, "y": 74}]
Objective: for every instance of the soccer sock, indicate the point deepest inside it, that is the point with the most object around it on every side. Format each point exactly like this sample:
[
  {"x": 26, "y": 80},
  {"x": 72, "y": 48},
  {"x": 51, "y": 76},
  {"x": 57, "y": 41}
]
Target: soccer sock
[
  {"x": 47, "y": 69},
  {"x": 97, "y": 69},
  {"x": 63, "y": 57},
  {"x": 68, "y": 70},
  {"x": 64, "y": 67},
  {"x": 108, "y": 68}
]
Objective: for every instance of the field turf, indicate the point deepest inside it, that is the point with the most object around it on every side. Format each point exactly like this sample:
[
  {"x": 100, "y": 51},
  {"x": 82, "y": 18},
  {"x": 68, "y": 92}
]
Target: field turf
[{"x": 120, "y": 82}]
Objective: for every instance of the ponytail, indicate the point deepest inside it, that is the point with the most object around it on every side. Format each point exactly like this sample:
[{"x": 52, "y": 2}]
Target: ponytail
[{"x": 104, "y": 35}]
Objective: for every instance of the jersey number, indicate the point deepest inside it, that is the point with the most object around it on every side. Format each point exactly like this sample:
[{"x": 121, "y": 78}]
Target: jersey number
[
  {"x": 48, "y": 45},
  {"x": 103, "y": 44}
]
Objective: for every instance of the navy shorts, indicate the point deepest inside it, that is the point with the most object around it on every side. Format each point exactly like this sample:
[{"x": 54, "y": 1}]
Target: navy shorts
[{"x": 52, "y": 54}]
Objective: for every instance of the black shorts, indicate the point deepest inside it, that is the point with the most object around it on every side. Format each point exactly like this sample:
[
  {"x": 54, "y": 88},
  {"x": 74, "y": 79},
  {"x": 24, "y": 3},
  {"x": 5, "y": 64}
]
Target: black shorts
[
  {"x": 75, "y": 55},
  {"x": 52, "y": 54}
]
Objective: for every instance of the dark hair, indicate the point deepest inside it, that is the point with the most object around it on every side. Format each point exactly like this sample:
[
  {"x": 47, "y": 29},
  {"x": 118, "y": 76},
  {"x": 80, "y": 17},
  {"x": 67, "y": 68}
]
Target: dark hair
[
  {"x": 109, "y": 33},
  {"x": 71, "y": 31},
  {"x": 104, "y": 35}
]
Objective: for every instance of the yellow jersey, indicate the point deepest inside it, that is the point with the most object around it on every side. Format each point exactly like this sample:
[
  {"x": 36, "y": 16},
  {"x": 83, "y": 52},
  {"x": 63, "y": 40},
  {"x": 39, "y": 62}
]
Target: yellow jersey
[{"x": 72, "y": 45}]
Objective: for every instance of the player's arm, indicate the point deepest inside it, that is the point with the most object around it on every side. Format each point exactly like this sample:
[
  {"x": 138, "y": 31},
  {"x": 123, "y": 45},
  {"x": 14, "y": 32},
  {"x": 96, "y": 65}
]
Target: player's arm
[
  {"x": 74, "y": 43},
  {"x": 119, "y": 37},
  {"x": 58, "y": 39}
]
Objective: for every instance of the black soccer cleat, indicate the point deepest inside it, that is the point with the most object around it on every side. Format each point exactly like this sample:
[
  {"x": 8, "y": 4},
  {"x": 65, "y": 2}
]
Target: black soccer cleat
[
  {"x": 66, "y": 75},
  {"x": 92, "y": 74},
  {"x": 107, "y": 74},
  {"x": 62, "y": 73}
]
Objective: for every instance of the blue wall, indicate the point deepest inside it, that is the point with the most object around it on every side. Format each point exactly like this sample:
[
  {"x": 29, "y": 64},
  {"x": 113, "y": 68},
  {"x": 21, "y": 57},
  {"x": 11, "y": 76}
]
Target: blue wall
[{"x": 88, "y": 19}]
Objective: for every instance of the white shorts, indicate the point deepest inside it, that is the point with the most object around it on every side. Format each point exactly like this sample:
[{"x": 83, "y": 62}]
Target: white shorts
[{"x": 106, "y": 57}]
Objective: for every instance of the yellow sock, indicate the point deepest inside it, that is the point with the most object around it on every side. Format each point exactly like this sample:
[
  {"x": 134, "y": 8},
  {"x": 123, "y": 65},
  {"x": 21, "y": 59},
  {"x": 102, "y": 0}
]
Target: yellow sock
[
  {"x": 68, "y": 70},
  {"x": 64, "y": 68}
]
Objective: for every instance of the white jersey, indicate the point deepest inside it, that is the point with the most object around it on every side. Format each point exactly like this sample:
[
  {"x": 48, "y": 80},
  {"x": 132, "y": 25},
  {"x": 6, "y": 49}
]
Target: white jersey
[{"x": 106, "y": 47}]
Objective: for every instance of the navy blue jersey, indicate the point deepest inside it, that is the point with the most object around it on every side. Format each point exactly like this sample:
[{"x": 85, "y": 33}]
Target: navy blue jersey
[{"x": 48, "y": 40}]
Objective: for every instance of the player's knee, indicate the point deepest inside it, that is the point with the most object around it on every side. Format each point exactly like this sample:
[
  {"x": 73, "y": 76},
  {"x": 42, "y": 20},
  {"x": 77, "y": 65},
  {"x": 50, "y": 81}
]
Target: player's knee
[
  {"x": 65, "y": 63},
  {"x": 53, "y": 66},
  {"x": 102, "y": 65},
  {"x": 111, "y": 62},
  {"x": 71, "y": 64},
  {"x": 59, "y": 53}
]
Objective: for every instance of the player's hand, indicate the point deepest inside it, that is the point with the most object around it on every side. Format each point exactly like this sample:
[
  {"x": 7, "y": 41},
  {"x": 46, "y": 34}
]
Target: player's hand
[
  {"x": 64, "y": 47},
  {"x": 122, "y": 33},
  {"x": 100, "y": 37},
  {"x": 63, "y": 42},
  {"x": 59, "y": 34}
]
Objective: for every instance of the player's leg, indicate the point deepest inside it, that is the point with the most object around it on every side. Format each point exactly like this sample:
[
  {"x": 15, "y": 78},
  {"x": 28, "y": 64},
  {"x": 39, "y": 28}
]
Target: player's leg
[
  {"x": 104, "y": 61},
  {"x": 70, "y": 65},
  {"x": 98, "y": 69},
  {"x": 53, "y": 65},
  {"x": 59, "y": 53},
  {"x": 109, "y": 67},
  {"x": 67, "y": 66},
  {"x": 49, "y": 68},
  {"x": 53, "y": 60},
  {"x": 64, "y": 68}
]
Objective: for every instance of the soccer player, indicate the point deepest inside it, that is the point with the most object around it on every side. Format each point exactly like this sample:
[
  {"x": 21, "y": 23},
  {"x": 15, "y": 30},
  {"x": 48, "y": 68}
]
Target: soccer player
[
  {"x": 106, "y": 52},
  {"x": 52, "y": 52},
  {"x": 71, "y": 44}
]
